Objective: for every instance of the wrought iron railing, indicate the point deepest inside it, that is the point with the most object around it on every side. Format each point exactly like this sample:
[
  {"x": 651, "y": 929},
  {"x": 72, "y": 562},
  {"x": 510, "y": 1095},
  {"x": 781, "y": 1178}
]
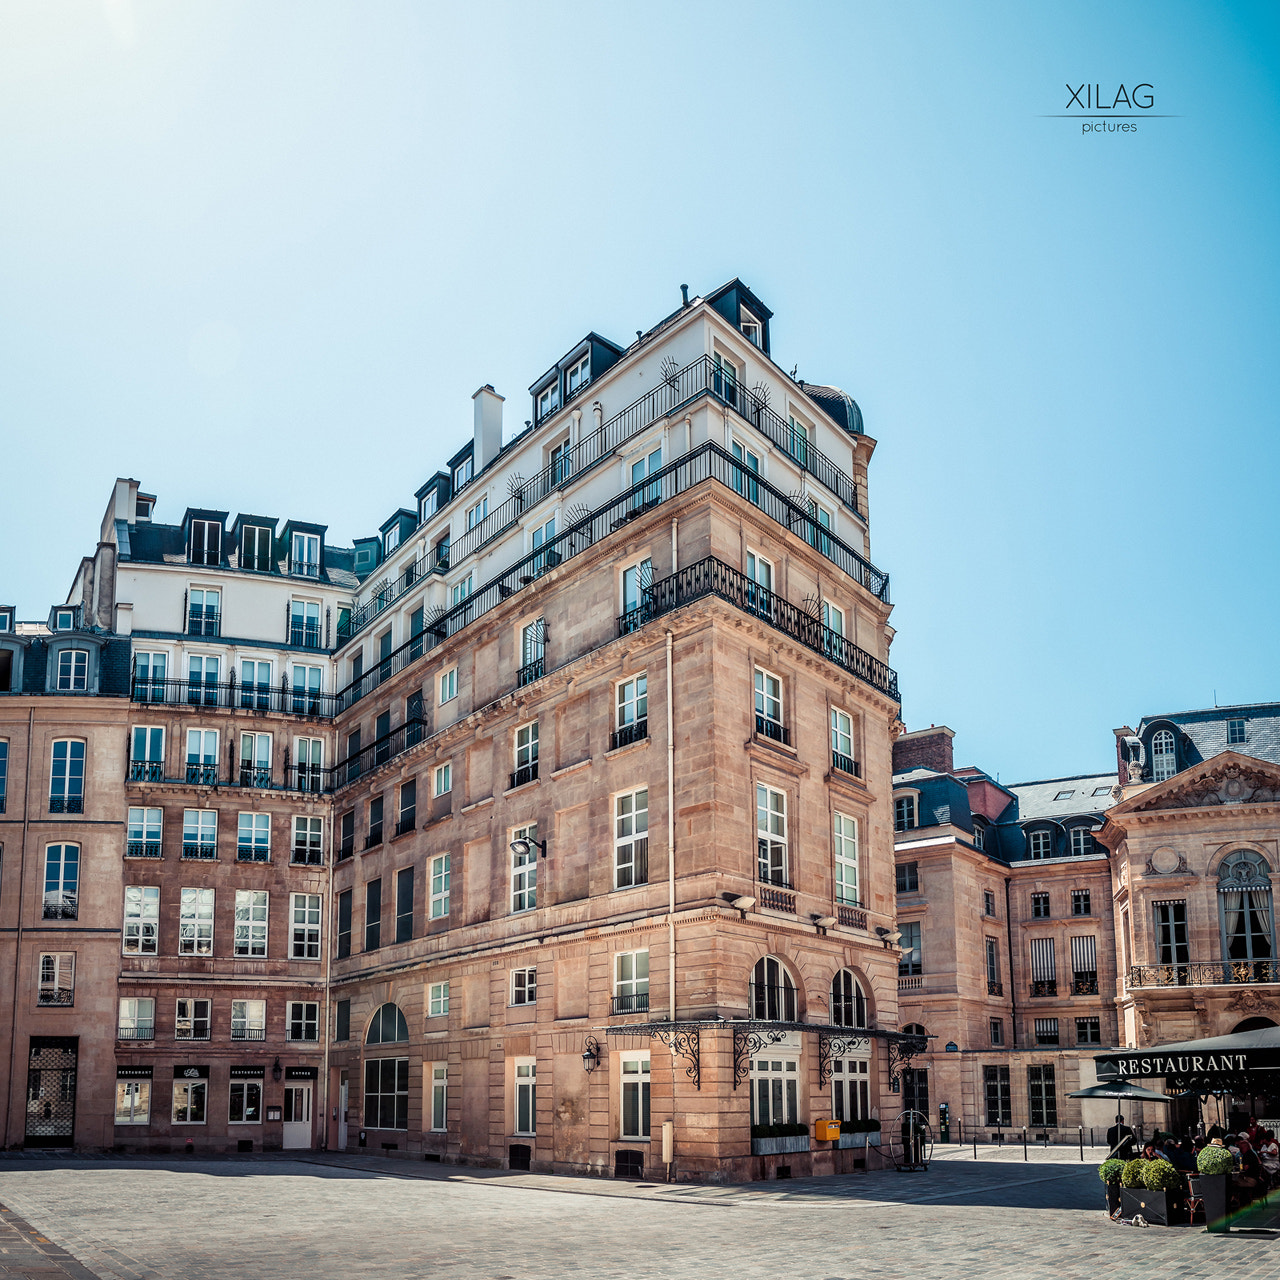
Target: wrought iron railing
[
  {"x": 66, "y": 804},
  {"x": 530, "y": 672},
  {"x": 203, "y": 851},
  {"x": 637, "y": 731},
  {"x": 146, "y": 771},
  {"x": 772, "y": 729},
  {"x": 845, "y": 764},
  {"x": 1044, "y": 987},
  {"x": 636, "y": 1003},
  {"x": 1219, "y": 973},
  {"x": 202, "y": 775},
  {"x": 373, "y": 839},
  {"x": 525, "y": 774},
  {"x": 406, "y": 825},
  {"x": 141, "y": 1031},
  {"x": 306, "y": 856},
  {"x": 143, "y": 849},
  {"x": 304, "y": 568},
  {"x": 771, "y": 1002},
  {"x": 248, "y": 1033},
  {"x": 203, "y": 622},
  {"x": 62, "y": 997},
  {"x": 255, "y": 775},
  {"x": 233, "y": 694},
  {"x": 252, "y": 853},
  {"x": 994, "y": 988},
  {"x": 1084, "y": 984},
  {"x": 774, "y": 878}
]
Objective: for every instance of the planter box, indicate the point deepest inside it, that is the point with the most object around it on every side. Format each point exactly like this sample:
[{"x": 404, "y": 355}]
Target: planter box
[
  {"x": 1153, "y": 1205},
  {"x": 779, "y": 1146},
  {"x": 848, "y": 1140},
  {"x": 1113, "y": 1197},
  {"x": 1213, "y": 1192}
]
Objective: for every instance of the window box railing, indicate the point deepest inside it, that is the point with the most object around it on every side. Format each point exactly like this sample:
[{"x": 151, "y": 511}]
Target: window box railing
[
  {"x": 373, "y": 839},
  {"x": 202, "y": 775},
  {"x": 524, "y": 775},
  {"x": 143, "y": 849},
  {"x": 1084, "y": 984},
  {"x": 771, "y": 1002},
  {"x": 248, "y": 1033},
  {"x": 206, "y": 852},
  {"x": 530, "y": 672},
  {"x": 851, "y": 917},
  {"x": 66, "y": 804},
  {"x": 308, "y": 777},
  {"x": 629, "y": 733},
  {"x": 146, "y": 771},
  {"x": 251, "y": 853},
  {"x": 203, "y": 622},
  {"x": 1044, "y": 987},
  {"x": 305, "y": 635},
  {"x": 777, "y": 899},
  {"x": 772, "y": 729},
  {"x": 637, "y": 1003},
  {"x": 305, "y": 856},
  {"x": 1217, "y": 973},
  {"x": 280, "y": 698},
  {"x": 995, "y": 988},
  {"x": 252, "y": 775},
  {"x": 56, "y": 997},
  {"x": 141, "y": 1031},
  {"x": 346, "y": 850},
  {"x": 304, "y": 568},
  {"x": 845, "y": 764}
]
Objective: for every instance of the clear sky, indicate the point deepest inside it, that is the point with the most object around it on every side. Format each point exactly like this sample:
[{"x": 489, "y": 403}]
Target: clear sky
[{"x": 259, "y": 255}]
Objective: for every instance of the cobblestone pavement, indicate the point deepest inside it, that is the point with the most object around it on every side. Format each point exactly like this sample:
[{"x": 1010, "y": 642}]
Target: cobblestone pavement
[{"x": 336, "y": 1216}]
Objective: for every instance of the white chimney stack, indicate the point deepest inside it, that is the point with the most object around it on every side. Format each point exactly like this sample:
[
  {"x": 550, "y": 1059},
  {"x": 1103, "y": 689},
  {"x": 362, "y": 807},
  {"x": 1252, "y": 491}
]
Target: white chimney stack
[{"x": 488, "y": 438}]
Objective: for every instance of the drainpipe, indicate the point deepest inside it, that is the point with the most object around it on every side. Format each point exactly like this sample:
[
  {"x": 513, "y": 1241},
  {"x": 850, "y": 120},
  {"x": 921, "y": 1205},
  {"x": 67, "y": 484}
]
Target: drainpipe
[
  {"x": 17, "y": 952},
  {"x": 671, "y": 815},
  {"x": 1013, "y": 994},
  {"x": 330, "y": 940}
]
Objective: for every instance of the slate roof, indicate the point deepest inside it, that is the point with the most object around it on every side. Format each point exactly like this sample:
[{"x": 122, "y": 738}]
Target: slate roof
[
  {"x": 1207, "y": 730},
  {"x": 1038, "y": 799},
  {"x": 838, "y": 405}
]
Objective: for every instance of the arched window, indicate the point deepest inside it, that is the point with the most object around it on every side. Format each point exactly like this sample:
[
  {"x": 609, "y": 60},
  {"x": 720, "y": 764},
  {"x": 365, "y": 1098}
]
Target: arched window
[
  {"x": 773, "y": 992},
  {"x": 1163, "y": 763},
  {"x": 914, "y": 1029},
  {"x": 62, "y": 882},
  {"x": 1244, "y": 902},
  {"x": 388, "y": 1026},
  {"x": 848, "y": 1002}
]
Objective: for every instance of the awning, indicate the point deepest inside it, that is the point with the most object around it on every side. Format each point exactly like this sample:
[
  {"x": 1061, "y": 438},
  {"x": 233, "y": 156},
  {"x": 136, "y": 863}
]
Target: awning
[
  {"x": 1213, "y": 1060},
  {"x": 1121, "y": 1090}
]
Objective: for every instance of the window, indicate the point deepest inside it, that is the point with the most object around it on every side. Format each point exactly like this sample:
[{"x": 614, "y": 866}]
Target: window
[
  {"x": 62, "y": 882},
  {"x": 255, "y": 684},
  {"x": 206, "y": 542},
  {"x": 73, "y": 670},
  {"x": 344, "y": 924},
  {"x": 524, "y": 986},
  {"x": 438, "y": 1000},
  {"x": 133, "y": 1101},
  {"x": 533, "y": 651},
  {"x": 304, "y": 1020},
  {"x": 848, "y": 1002},
  {"x": 1080, "y": 902},
  {"x": 745, "y": 473},
  {"x": 1081, "y": 842},
  {"x": 907, "y": 877},
  {"x": 997, "y": 1031},
  {"x": 1046, "y": 1031},
  {"x": 526, "y": 754},
  {"x": 251, "y": 923},
  {"x": 769, "y": 706},
  {"x": 404, "y": 905},
  {"x": 995, "y": 1082},
  {"x": 248, "y": 1019},
  {"x": 772, "y": 992},
  {"x": 725, "y": 381},
  {"x": 631, "y": 838},
  {"x": 244, "y": 1102},
  {"x": 255, "y": 548},
  {"x": 526, "y": 1070},
  {"x": 253, "y": 842},
  {"x": 189, "y": 1100},
  {"x": 635, "y": 1095},
  {"x": 142, "y": 836},
  {"x": 631, "y": 982},
  {"x": 388, "y": 1026},
  {"x": 374, "y": 836},
  {"x": 373, "y": 915},
  {"x": 203, "y": 608},
  {"x": 637, "y": 601},
  {"x": 1039, "y": 906},
  {"x": 1235, "y": 733},
  {"x": 191, "y": 1020},
  {"x": 57, "y": 978},
  {"x": 66, "y": 777},
  {"x": 1044, "y": 967},
  {"x": 255, "y": 759},
  {"x": 304, "y": 940},
  {"x": 759, "y": 597},
  {"x": 576, "y": 378},
  {"x": 440, "y": 886},
  {"x": 1101, "y": 791},
  {"x": 386, "y": 1093},
  {"x": 408, "y": 819},
  {"x": 443, "y": 779},
  {"x": 909, "y": 963},
  {"x": 851, "y": 1089},
  {"x": 560, "y": 463},
  {"x": 988, "y": 902},
  {"x": 844, "y": 843},
  {"x": 460, "y": 590},
  {"x": 308, "y": 842},
  {"x": 632, "y": 710},
  {"x": 304, "y": 624},
  {"x": 195, "y": 922},
  {"x": 548, "y": 400},
  {"x": 392, "y": 540},
  {"x": 1088, "y": 1031},
  {"x": 979, "y": 835},
  {"x": 1244, "y": 905},
  {"x": 64, "y": 620},
  {"x": 771, "y": 836},
  {"x": 306, "y": 555},
  {"x": 799, "y": 443},
  {"x": 1064, "y": 795},
  {"x": 146, "y": 760},
  {"x": 1084, "y": 966},
  {"x": 1043, "y": 1098},
  {"x": 449, "y": 684},
  {"x": 645, "y": 466},
  {"x": 904, "y": 813},
  {"x": 342, "y": 1020},
  {"x": 478, "y": 512},
  {"x": 1040, "y": 844},
  {"x": 141, "y": 920},
  {"x": 524, "y": 870},
  {"x": 346, "y": 834},
  {"x": 439, "y": 1096},
  {"x": 202, "y": 757},
  {"x": 199, "y": 833},
  {"x": 4, "y": 772},
  {"x": 842, "y": 742},
  {"x": 136, "y": 1019},
  {"x": 1163, "y": 755},
  {"x": 1172, "y": 944},
  {"x": 993, "y": 967},
  {"x": 775, "y": 1090}
]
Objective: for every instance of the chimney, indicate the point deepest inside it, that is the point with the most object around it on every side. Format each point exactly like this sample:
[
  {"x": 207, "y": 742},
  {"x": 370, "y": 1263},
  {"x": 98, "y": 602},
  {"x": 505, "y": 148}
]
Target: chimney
[
  {"x": 488, "y": 438},
  {"x": 924, "y": 749}
]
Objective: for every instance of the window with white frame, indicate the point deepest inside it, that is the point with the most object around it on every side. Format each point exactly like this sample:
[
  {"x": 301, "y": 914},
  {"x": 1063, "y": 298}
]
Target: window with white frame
[
  {"x": 1081, "y": 842},
  {"x": 392, "y": 540},
  {"x": 136, "y": 1019},
  {"x": 249, "y": 1019},
  {"x": 203, "y": 611},
  {"x": 768, "y": 704},
  {"x": 760, "y": 584},
  {"x": 439, "y": 1096},
  {"x": 631, "y": 838},
  {"x": 771, "y": 836},
  {"x": 637, "y": 579},
  {"x": 462, "y": 473},
  {"x": 308, "y": 841},
  {"x": 142, "y": 835},
  {"x": 303, "y": 1021},
  {"x": 206, "y": 542},
  {"x": 1163, "y": 755},
  {"x": 526, "y": 742},
  {"x": 443, "y": 778},
  {"x": 199, "y": 833},
  {"x": 308, "y": 755},
  {"x": 190, "y": 1101},
  {"x": 1040, "y": 844},
  {"x": 548, "y": 400},
  {"x": 255, "y": 684},
  {"x": 244, "y": 1102},
  {"x": 251, "y": 923},
  {"x": 526, "y": 1100},
  {"x": 524, "y": 869},
  {"x": 141, "y": 919},
  {"x": 904, "y": 813},
  {"x": 631, "y": 982},
  {"x": 538, "y": 539},
  {"x": 304, "y": 624},
  {"x": 438, "y": 1000},
  {"x": 775, "y": 1088},
  {"x": 848, "y": 1000},
  {"x": 64, "y": 620},
  {"x": 427, "y": 507},
  {"x": 254, "y": 838},
  {"x": 66, "y": 776},
  {"x": 61, "y": 882},
  {"x": 192, "y": 1019},
  {"x": 635, "y": 1095},
  {"x": 1235, "y": 733},
  {"x": 133, "y": 1101},
  {"x": 851, "y": 1089},
  {"x": 560, "y": 463},
  {"x": 833, "y": 618},
  {"x": 842, "y": 741},
  {"x": 202, "y": 757},
  {"x": 73, "y": 670},
  {"x": 460, "y": 590},
  {"x": 576, "y": 377},
  {"x": 844, "y": 845},
  {"x": 745, "y": 473},
  {"x": 440, "y": 876},
  {"x": 799, "y": 441},
  {"x": 448, "y": 685},
  {"x": 255, "y": 759},
  {"x": 632, "y": 703},
  {"x": 149, "y": 672},
  {"x": 524, "y": 986},
  {"x": 304, "y": 935},
  {"x": 478, "y": 512},
  {"x": 648, "y": 464},
  {"x": 57, "y": 979}
]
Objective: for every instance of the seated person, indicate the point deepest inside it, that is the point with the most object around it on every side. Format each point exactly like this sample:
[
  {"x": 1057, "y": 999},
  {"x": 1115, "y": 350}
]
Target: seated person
[{"x": 1269, "y": 1154}]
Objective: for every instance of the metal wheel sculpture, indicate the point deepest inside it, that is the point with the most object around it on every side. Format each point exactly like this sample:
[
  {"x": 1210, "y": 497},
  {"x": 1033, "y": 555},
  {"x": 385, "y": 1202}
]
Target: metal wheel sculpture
[{"x": 910, "y": 1142}]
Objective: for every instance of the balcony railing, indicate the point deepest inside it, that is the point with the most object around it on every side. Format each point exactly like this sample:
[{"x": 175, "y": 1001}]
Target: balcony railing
[
  {"x": 1044, "y": 987},
  {"x": 203, "y": 851},
  {"x": 912, "y": 982},
  {"x": 373, "y": 839},
  {"x": 279, "y": 698},
  {"x": 304, "y": 568},
  {"x": 346, "y": 849},
  {"x": 305, "y": 635},
  {"x": 845, "y": 764},
  {"x": 772, "y": 729},
  {"x": 143, "y": 849},
  {"x": 203, "y": 622},
  {"x": 305, "y": 856},
  {"x": 248, "y": 1033},
  {"x": 406, "y": 825},
  {"x": 308, "y": 777},
  {"x": 637, "y": 731},
  {"x": 777, "y": 899},
  {"x": 525, "y": 774},
  {"x": 636, "y": 1003},
  {"x": 1084, "y": 984},
  {"x": 530, "y": 672},
  {"x": 202, "y": 775},
  {"x": 1217, "y": 973},
  {"x": 61, "y": 997},
  {"x": 140, "y": 1031},
  {"x": 66, "y": 804},
  {"x": 61, "y": 906},
  {"x": 851, "y": 917},
  {"x": 994, "y": 988},
  {"x": 252, "y": 853},
  {"x": 146, "y": 771},
  {"x": 255, "y": 775},
  {"x": 390, "y": 745},
  {"x": 771, "y": 1002}
]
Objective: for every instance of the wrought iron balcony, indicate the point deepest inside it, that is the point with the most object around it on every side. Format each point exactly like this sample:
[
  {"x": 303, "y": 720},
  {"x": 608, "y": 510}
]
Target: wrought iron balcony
[
  {"x": 346, "y": 850},
  {"x": 994, "y": 988},
  {"x": 280, "y": 698},
  {"x": 524, "y": 775},
  {"x": 252, "y": 853},
  {"x": 1216, "y": 973},
  {"x": 390, "y": 745},
  {"x": 255, "y": 775},
  {"x": 305, "y": 635},
  {"x": 202, "y": 775},
  {"x": 61, "y": 906},
  {"x": 203, "y": 622},
  {"x": 248, "y": 1033},
  {"x": 304, "y": 568},
  {"x": 139, "y": 1031},
  {"x": 530, "y": 672},
  {"x": 203, "y": 851},
  {"x": 773, "y": 730},
  {"x": 405, "y": 825},
  {"x": 146, "y": 771},
  {"x": 1044, "y": 987},
  {"x": 308, "y": 777},
  {"x": 66, "y": 804},
  {"x": 637, "y": 731},
  {"x": 373, "y": 839},
  {"x": 143, "y": 849},
  {"x": 59, "y": 997},
  {"x": 1084, "y": 984},
  {"x": 845, "y": 764},
  {"x": 637, "y": 1003},
  {"x": 306, "y": 856}
]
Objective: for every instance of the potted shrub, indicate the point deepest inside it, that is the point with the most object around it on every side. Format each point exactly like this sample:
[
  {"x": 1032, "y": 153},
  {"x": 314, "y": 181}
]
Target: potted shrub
[
  {"x": 1132, "y": 1186},
  {"x": 1214, "y": 1164},
  {"x": 1109, "y": 1171},
  {"x": 778, "y": 1139},
  {"x": 1161, "y": 1190}
]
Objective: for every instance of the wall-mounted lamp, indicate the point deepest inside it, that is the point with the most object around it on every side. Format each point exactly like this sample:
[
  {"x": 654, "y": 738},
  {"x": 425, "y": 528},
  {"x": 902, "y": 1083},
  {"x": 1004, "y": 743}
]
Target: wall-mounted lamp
[
  {"x": 276, "y": 1071},
  {"x": 822, "y": 923},
  {"x": 888, "y": 936},
  {"x": 524, "y": 845},
  {"x": 740, "y": 902},
  {"x": 591, "y": 1055}
]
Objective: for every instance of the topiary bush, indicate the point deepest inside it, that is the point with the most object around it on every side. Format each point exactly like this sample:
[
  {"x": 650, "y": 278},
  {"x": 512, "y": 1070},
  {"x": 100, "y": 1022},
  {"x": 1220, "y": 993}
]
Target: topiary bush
[
  {"x": 1160, "y": 1175},
  {"x": 859, "y": 1126},
  {"x": 1110, "y": 1170},
  {"x": 779, "y": 1130},
  {"x": 1131, "y": 1174},
  {"x": 1214, "y": 1160}
]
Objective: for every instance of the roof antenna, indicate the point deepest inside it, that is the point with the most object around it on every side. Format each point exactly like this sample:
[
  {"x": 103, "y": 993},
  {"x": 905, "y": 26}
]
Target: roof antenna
[{"x": 684, "y": 293}]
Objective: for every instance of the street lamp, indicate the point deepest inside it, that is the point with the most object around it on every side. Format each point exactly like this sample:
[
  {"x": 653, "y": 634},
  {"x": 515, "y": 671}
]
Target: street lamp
[
  {"x": 591, "y": 1055},
  {"x": 524, "y": 845}
]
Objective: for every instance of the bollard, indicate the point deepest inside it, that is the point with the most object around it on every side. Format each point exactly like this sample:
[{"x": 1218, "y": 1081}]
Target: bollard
[
  {"x": 975, "y": 1144},
  {"x": 1024, "y": 1142},
  {"x": 1082, "y": 1144}
]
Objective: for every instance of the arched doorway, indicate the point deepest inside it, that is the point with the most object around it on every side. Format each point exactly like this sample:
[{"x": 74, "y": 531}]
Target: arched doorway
[{"x": 1252, "y": 1024}]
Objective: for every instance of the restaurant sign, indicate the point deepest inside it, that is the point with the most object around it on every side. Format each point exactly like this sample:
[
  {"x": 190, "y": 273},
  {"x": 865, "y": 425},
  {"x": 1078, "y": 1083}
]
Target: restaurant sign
[{"x": 1184, "y": 1064}]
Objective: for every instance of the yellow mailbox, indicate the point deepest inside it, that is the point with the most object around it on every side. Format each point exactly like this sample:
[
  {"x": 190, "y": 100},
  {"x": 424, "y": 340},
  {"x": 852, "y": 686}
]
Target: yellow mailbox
[{"x": 826, "y": 1130}]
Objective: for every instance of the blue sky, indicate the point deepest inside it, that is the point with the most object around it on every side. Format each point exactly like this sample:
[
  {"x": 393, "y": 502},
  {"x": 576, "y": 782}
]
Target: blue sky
[{"x": 259, "y": 256}]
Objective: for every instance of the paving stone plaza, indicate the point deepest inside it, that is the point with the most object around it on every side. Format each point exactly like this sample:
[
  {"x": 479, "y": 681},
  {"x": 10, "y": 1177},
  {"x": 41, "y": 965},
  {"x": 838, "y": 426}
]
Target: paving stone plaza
[{"x": 323, "y": 1217}]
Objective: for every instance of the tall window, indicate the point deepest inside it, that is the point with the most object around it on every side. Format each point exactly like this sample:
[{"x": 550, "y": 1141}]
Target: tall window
[
  {"x": 989, "y": 903},
  {"x": 253, "y": 842},
  {"x": 1081, "y": 902},
  {"x": 560, "y": 461},
  {"x": 543, "y": 534},
  {"x": 995, "y": 1081},
  {"x": 631, "y": 838},
  {"x": 133, "y": 1101},
  {"x": 526, "y": 1070},
  {"x": 386, "y": 1093},
  {"x": 851, "y": 1089},
  {"x": 308, "y": 842},
  {"x": 304, "y": 624},
  {"x": 443, "y": 777},
  {"x": 440, "y": 875},
  {"x": 304, "y": 937},
  {"x": 206, "y": 542},
  {"x": 460, "y": 590},
  {"x": 773, "y": 992},
  {"x": 1084, "y": 965},
  {"x": 771, "y": 836},
  {"x": 848, "y": 1003},
  {"x": 4, "y": 770},
  {"x": 190, "y": 1099},
  {"x": 1235, "y": 733},
  {"x": 142, "y": 836},
  {"x": 255, "y": 684},
  {"x": 73, "y": 670},
  {"x": 842, "y": 741},
  {"x": 799, "y": 445},
  {"x": 438, "y": 1000},
  {"x": 526, "y": 754},
  {"x": 141, "y": 920},
  {"x": 344, "y": 924},
  {"x": 1172, "y": 944},
  {"x": 192, "y": 1019},
  {"x": 62, "y": 882},
  {"x": 136, "y": 1019},
  {"x": 911, "y": 961},
  {"x": 1163, "y": 755},
  {"x": 759, "y": 585},
  {"x": 1248, "y": 929},
  {"x": 303, "y": 1020},
  {"x": 769, "y": 706},
  {"x": 644, "y": 467},
  {"x": 1043, "y": 1096},
  {"x": 408, "y": 818},
  {"x": 745, "y": 473},
  {"x": 904, "y": 813},
  {"x": 255, "y": 548},
  {"x": 146, "y": 757},
  {"x": 1046, "y": 1031},
  {"x": 844, "y": 841},
  {"x": 57, "y": 979},
  {"x": 66, "y": 777},
  {"x": 1040, "y": 844},
  {"x": 199, "y": 833},
  {"x": 448, "y": 685},
  {"x": 244, "y": 1102},
  {"x": 1044, "y": 971},
  {"x": 149, "y": 671},
  {"x": 631, "y": 982},
  {"x": 251, "y": 923},
  {"x": 439, "y": 1096},
  {"x": 632, "y": 719},
  {"x": 1081, "y": 842},
  {"x": 202, "y": 757},
  {"x": 635, "y": 1095},
  {"x": 372, "y": 915},
  {"x": 775, "y": 1089},
  {"x": 524, "y": 870},
  {"x": 195, "y": 922},
  {"x": 255, "y": 759},
  {"x": 248, "y": 1019},
  {"x": 637, "y": 581},
  {"x": 533, "y": 651},
  {"x": 203, "y": 611},
  {"x": 306, "y": 555},
  {"x": 993, "y": 967},
  {"x": 1039, "y": 906},
  {"x": 404, "y": 904}
]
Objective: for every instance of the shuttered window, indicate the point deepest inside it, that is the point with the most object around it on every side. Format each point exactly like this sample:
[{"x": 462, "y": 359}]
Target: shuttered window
[
  {"x": 1084, "y": 955},
  {"x": 1043, "y": 966}
]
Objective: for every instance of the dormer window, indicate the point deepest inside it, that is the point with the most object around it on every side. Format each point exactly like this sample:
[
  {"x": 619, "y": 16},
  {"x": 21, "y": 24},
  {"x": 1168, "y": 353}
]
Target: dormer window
[
  {"x": 393, "y": 538},
  {"x": 206, "y": 542},
  {"x": 577, "y": 377},
  {"x": 255, "y": 548},
  {"x": 904, "y": 813},
  {"x": 427, "y": 507},
  {"x": 548, "y": 401},
  {"x": 751, "y": 328},
  {"x": 1040, "y": 844},
  {"x": 73, "y": 671},
  {"x": 1163, "y": 758},
  {"x": 462, "y": 474},
  {"x": 6, "y": 620},
  {"x": 64, "y": 620},
  {"x": 143, "y": 509},
  {"x": 1235, "y": 733}
]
